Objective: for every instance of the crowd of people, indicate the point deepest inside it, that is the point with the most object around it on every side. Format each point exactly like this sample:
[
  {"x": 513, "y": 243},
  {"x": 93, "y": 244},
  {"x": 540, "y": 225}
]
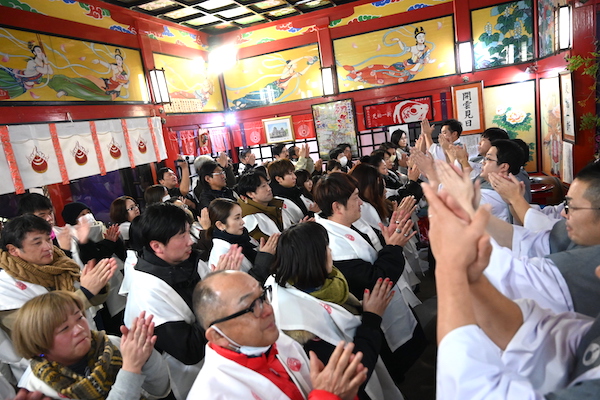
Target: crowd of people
[{"x": 295, "y": 280}]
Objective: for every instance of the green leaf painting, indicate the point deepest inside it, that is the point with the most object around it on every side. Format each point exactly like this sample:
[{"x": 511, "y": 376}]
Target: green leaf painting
[{"x": 504, "y": 34}]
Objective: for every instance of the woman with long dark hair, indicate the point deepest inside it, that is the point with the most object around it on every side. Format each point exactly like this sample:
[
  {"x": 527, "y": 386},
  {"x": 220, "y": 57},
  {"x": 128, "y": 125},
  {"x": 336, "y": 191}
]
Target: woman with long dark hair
[
  {"x": 227, "y": 230},
  {"x": 313, "y": 305},
  {"x": 371, "y": 189}
]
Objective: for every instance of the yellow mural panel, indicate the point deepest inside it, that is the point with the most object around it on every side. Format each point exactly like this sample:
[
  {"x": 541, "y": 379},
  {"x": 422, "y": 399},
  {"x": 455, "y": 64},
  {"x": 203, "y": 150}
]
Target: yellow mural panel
[
  {"x": 191, "y": 87},
  {"x": 512, "y": 108},
  {"x": 71, "y": 10},
  {"x": 37, "y": 67},
  {"x": 383, "y": 8},
  {"x": 76, "y": 11},
  {"x": 396, "y": 55},
  {"x": 274, "y": 78},
  {"x": 361, "y": 13}
]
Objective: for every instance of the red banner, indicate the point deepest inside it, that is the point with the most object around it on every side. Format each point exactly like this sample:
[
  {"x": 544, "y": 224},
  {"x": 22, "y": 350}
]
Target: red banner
[
  {"x": 172, "y": 143},
  {"x": 219, "y": 140},
  {"x": 254, "y": 133},
  {"x": 304, "y": 127},
  {"x": 188, "y": 142},
  {"x": 398, "y": 112},
  {"x": 236, "y": 132}
]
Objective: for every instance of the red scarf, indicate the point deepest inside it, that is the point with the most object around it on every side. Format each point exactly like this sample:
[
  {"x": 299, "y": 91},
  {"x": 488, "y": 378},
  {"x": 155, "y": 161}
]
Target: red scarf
[{"x": 268, "y": 365}]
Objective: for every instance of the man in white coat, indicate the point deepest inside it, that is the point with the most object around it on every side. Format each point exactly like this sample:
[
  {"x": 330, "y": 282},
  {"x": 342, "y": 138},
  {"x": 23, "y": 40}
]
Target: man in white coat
[
  {"x": 364, "y": 257},
  {"x": 247, "y": 357},
  {"x": 554, "y": 267},
  {"x": 543, "y": 355}
]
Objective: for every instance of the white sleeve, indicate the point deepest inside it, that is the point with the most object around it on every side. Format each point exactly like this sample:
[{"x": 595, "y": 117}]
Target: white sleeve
[
  {"x": 533, "y": 278},
  {"x": 499, "y": 207},
  {"x": 526, "y": 243},
  {"x": 437, "y": 152},
  {"x": 544, "y": 346},
  {"x": 471, "y": 367},
  {"x": 537, "y": 220}
]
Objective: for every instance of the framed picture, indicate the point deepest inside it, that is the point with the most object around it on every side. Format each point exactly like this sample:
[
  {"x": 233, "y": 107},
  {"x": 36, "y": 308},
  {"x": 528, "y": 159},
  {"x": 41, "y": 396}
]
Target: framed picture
[
  {"x": 335, "y": 123},
  {"x": 399, "y": 112},
  {"x": 467, "y": 102},
  {"x": 566, "y": 106},
  {"x": 278, "y": 129}
]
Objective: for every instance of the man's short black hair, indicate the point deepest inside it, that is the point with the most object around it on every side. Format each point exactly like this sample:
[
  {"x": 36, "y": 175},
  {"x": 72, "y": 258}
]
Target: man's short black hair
[
  {"x": 525, "y": 148},
  {"x": 249, "y": 182},
  {"x": 343, "y": 146},
  {"x": 590, "y": 174},
  {"x": 160, "y": 175},
  {"x": 335, "y": 152},
  {"x": 16, "y": 229},
  {"x": 510, "y": 153},
  {"x": 30, "y": 203},
  {"x": 495, "y": 133},
  {"x": 161, "y": 222},
  {"x": 454, "y": 125},
  {"x": 276, "y": 149}
]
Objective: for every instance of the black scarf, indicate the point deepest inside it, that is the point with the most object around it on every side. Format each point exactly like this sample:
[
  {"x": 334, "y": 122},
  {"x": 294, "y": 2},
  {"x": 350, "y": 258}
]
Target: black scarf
[
  {"x": 242, "y": 240},
  {"x": 292, "y": 193}
]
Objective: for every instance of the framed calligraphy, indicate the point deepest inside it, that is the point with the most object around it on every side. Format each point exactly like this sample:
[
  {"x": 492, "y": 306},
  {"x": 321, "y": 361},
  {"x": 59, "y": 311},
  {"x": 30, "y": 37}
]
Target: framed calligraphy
[
  {"x": 467, "y": 103},
  {"x": 566, "y": 106},
  {"x": 399, "y": 112}
]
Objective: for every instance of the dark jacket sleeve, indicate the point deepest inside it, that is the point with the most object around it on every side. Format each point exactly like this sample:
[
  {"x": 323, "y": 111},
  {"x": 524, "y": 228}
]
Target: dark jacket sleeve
[
  {"x": 102, "y": 249},
  {"x": 367, "y": 339},
  {"x": 363, "y": 275},
  {"x": 229, "y": 176},
  {"x": 262, "y": 266},
  {"x": 183, "y": 341},
  {"x": 412, "y": 189}
]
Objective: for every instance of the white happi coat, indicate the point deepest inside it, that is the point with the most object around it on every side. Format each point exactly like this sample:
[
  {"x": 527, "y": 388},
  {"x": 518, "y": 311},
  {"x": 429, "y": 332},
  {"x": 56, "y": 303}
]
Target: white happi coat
[
  {"x": 222, "y": 378},
  {"x": 264, "y": 223},
  {"x": 541, "y": 219},
  {"x": 296, "y": 310},
  {"x": 537, "y": 360},
  {"x": 499, "y": 207},
  {"x": 219, "y": 248},
  {"x": 291, "y": 213},
  {"x": 369, "y": 214},
  {"x": 398, "y": 321},
  {"x": 156, "y": 297}
]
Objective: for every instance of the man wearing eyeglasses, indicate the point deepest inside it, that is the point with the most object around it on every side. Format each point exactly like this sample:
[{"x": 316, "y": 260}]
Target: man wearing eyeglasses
[
  {"x": 212, "y": 179},
  {"x": 247, "y": 356},
  {"x": 503, "y": 157},
  {"x": 554, "y": 267}
]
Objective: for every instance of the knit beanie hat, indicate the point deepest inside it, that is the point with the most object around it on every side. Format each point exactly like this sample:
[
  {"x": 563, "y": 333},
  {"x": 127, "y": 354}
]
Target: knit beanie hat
[{"x": 72, "y": 210}]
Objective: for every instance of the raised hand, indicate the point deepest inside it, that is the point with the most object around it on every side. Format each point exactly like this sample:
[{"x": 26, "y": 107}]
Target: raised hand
[
  {"x": 269, "y": 246},
  {"x": 342, "y": 375},
  {"x": 399, "y": 231},
  {"x": 377, "y": 300},
  {"x": 137, "y": 343},
  {"x": 112, "y": 233},
  {"x": 95, "y": 275},
  {"x": 231, "y": 260},
  {"x": 510, "y": 189},
  {"x": 458, "y": 185}
]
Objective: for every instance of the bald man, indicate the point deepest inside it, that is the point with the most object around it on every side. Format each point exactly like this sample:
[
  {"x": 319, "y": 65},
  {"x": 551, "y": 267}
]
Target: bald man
[{"x": 247, "y": 356}]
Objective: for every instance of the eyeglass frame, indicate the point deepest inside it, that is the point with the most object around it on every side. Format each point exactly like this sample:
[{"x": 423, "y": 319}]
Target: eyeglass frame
[
  {"x": 217, "y": 173},
  {"x": 265, "y": 296},
  {"x": 133, "y": 207},
  {"x": 567, "y": 207},
  {"x": 486, "y": 159}
]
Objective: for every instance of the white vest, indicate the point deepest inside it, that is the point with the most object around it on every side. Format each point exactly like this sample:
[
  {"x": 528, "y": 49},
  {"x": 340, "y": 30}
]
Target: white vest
[
  {"x": 296, "y": 310},
  {"x": 222, "y": 378},
  {"x": 219, "y": 248},
  {"x": 262, "y": 221},
  {"x": 291, "y": 213},
  {"x": 346, "y": 244},
  {"x": 156, "y": 297}
]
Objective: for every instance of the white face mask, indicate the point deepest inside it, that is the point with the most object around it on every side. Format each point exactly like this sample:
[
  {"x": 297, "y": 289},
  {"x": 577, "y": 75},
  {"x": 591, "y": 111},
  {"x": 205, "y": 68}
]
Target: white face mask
[
  {"x": 392, "y": 158},
  {"x": 89, "y": 218},
  {"x": 343, "y": 161},
  {"x": 165, "y": 198},
  {"x": 247, "y": 350}
]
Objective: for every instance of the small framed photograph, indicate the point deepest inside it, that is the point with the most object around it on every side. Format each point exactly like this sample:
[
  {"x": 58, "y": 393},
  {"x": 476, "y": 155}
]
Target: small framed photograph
[
  {"x": 567, "y": 107},
  {"x": 278, "y": 129}
]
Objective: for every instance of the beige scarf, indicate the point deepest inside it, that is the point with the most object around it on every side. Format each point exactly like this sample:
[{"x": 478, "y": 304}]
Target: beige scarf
[{"x": 60, "y": 275}]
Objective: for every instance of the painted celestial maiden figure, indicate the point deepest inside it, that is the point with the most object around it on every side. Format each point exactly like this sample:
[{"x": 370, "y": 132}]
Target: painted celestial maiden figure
[{"x": 404, "y": 71}]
